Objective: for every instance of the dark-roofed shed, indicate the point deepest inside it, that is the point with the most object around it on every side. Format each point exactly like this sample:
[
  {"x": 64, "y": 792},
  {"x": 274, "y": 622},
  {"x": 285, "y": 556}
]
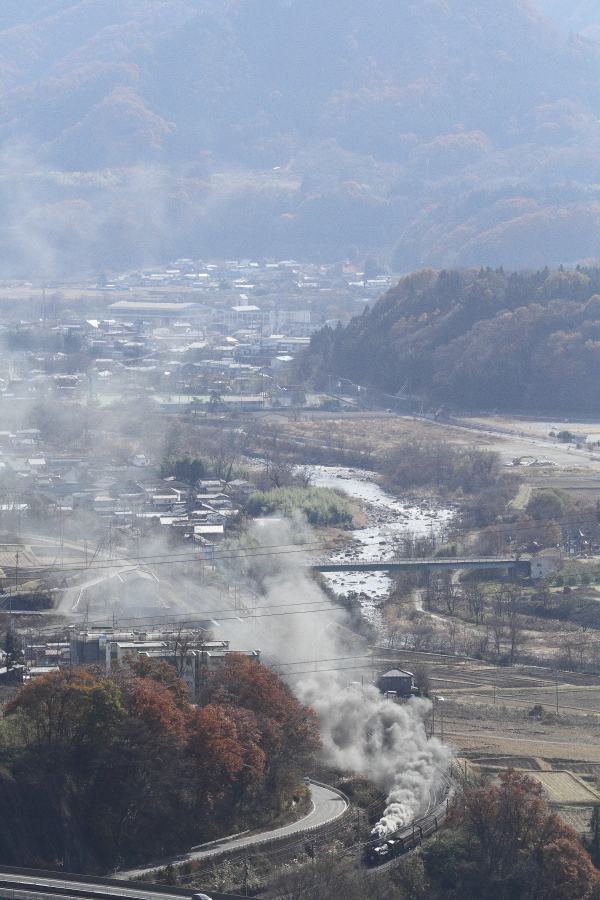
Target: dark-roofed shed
[{"x": 396, "y": 680}]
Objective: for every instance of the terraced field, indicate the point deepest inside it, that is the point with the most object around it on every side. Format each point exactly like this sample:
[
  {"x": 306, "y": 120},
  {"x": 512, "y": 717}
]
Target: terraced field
[
  {"x": 566, "y": 788},
  {"x": 474, "y": 682},
  {"x": 570, "y": 789}
]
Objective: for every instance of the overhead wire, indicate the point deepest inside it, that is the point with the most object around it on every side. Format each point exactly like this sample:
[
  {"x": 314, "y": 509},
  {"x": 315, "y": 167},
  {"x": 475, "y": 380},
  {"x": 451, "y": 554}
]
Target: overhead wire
[
  {"x": 249, "y": 553},
  {"x": 172, "y": 558}
]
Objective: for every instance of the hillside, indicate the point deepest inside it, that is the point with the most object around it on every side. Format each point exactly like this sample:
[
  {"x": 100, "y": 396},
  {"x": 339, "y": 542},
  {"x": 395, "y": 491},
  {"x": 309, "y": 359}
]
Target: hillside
[
  {"x": 453, "y": 132},
  {"x": 475, "y": 340}
]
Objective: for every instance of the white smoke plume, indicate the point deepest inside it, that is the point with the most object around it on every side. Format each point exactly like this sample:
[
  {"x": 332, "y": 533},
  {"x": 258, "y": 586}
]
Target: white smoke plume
[
  {"x": 361, "y": 730},
  {"x": 367, "y": 733}
]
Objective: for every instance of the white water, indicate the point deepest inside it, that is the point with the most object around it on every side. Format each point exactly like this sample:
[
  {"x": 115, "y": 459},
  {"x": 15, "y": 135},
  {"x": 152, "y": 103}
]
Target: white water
[{"x": 389, "y": 517}]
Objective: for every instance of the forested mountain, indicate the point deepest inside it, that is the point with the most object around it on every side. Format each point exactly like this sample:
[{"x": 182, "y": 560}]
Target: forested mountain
[
  {"x": 441, "y": 132},
  {"x": 475, "y": 340}
]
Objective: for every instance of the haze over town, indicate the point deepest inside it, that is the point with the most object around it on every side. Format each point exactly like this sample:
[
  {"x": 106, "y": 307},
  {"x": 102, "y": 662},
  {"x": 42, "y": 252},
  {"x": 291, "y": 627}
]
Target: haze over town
[{"x": 300, "y": 449}]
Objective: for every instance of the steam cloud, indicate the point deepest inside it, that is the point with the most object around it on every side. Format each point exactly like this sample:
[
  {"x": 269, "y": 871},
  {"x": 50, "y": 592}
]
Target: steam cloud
[
  {"x": 361, "y": 731},
  {"x": 370, "y": 734}
]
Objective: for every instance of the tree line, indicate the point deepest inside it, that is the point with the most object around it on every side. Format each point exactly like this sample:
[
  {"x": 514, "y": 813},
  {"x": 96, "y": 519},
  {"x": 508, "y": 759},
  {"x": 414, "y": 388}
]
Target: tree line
[
  {"x": 474, "y": 339},
  {"x": 100, "y": 771}
]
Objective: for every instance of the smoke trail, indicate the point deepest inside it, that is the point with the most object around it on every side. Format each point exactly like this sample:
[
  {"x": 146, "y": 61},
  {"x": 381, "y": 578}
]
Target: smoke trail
[
  {"x": 367, "y": 733},
  {"x": 361, "y": 731}
]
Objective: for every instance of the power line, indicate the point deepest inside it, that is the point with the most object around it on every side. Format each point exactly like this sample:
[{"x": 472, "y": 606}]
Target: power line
[
  {"x": 164, "y": 558},
  {"x": 279, "y": 549},
  {"x": 284, "y": 549}
]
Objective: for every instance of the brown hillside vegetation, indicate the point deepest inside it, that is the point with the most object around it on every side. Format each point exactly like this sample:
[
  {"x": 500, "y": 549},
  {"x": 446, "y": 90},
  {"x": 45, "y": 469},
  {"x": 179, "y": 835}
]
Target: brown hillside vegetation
[
  {"x": 475, "y": 339},
  {"x": 456, "y": 132},
  {"x": 100, "y": 771}
]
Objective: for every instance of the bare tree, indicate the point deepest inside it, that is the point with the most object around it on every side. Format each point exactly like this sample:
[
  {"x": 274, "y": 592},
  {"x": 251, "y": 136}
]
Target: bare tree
[
  {"x": 420, "y": 634},
  {"x": 496, "y": 630},
  {"x": 516, "y": 637},
  {"x": 422, "y": 677},
  {"x": 452, "y": 629},
  {"x": 476, "y": 599},
  {"x": 226, "y": 451}
]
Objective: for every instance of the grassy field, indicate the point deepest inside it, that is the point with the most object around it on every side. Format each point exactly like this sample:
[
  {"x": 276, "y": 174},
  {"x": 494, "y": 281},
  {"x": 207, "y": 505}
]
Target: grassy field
[
  {"x": 380, "y": 432},
  {"x": 375, "y": 434}
]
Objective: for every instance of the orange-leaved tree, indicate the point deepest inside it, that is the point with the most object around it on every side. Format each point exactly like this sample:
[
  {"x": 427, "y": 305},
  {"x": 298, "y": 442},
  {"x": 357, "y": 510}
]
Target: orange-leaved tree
[
  {"x": 157, "y": 708},
  {"x": 218, "y": 756},
  {"x": 503, "y": 845},
  {"x": 160, "y": 671},
  {"x": 69, "y": 710},
  {"x": 288, "y": 730},
  {"x": 505, "y": 819}
]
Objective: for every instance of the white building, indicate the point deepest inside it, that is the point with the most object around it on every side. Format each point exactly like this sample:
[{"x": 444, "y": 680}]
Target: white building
[{"x": 148, "y": 311}]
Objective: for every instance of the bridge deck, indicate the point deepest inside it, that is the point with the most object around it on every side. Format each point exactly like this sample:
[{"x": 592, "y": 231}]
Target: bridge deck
[{"x": 522, "y": 566}]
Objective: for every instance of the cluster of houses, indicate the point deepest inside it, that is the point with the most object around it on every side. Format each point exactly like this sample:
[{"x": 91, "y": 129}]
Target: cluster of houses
[
  {"x": 190, "y": 652},
  {"x": 132, "y": 496},
  {"x": 162, "y": 350},
  {"x": 287, "y": 278},
  {"x": 188, "y": 330}
]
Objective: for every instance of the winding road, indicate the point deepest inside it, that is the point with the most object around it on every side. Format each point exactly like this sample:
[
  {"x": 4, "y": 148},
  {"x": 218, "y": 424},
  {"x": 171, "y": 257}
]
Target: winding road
[{"x": 327, "y": 807}]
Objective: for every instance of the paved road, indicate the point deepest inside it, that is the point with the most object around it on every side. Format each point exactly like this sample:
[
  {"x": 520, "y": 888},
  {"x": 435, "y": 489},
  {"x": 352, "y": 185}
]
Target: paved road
[
  {"x": 192, "y": 597},
  {"x": 327, "y": 806},
  {"x": 28, "y": 883}
]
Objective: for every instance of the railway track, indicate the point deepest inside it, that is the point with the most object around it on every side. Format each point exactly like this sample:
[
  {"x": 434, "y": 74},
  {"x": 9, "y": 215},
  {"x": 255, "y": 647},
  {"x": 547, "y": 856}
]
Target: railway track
[{"x": 411, "y": 836}]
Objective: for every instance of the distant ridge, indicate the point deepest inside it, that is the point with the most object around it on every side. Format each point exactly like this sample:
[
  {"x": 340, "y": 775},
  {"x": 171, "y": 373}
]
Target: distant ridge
[
  {"x": 437, "y": 133},
  {"x": 475, "y": 340}
]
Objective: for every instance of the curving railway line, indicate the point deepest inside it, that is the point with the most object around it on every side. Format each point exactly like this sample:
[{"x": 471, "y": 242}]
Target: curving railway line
[{"x": 382, "y": 852}]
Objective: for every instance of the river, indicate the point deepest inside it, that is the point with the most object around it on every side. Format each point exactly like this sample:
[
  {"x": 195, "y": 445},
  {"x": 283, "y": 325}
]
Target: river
[{"x": 388, "y": 518}]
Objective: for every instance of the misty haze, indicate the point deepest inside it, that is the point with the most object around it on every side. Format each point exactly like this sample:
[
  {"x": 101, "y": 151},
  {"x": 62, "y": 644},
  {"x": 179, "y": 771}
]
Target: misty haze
[{"x": 300, "y": 449}]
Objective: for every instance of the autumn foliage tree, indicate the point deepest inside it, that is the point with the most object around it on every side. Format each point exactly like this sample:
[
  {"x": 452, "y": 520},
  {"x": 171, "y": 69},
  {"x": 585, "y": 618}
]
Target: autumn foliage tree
[
  {"x": 287, "y": 731},
  {"x": 67, "y": 710},
  {"x": 136, "y": 770},
  {"x": 219, "y": 753},
  {"x": 503, "y": 844}
]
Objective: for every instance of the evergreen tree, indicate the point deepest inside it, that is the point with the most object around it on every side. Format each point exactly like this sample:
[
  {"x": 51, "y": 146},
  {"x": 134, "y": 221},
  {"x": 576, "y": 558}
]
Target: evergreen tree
[{"x": 13, "y": 653}]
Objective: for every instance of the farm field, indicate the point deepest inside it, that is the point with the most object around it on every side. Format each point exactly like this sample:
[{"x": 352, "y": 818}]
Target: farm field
[
  {"x": 487, "y": 709},
  {"x": 570, "y": 789},
  {"x": 355, "y": 431}
]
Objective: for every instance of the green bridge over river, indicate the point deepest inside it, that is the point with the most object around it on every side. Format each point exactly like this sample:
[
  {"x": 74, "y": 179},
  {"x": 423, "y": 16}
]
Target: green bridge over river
[{"x": 520, "y": 568}]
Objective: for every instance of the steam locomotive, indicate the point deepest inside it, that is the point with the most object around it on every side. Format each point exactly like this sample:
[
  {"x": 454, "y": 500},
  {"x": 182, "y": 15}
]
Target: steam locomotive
[
  {"x": 383, "y": 849},
  {"x": 380, "y": 850}
]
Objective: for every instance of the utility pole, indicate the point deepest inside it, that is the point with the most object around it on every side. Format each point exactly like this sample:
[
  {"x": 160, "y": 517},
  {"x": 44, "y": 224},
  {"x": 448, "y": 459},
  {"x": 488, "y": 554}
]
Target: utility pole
[
  {"x": 441, "y": 701},
  {"x": 246, "y": 868},
  {"x": 556, "y": 674},
  {"x": 62, "y": 548},
  {"x": 358, "y": 845}
]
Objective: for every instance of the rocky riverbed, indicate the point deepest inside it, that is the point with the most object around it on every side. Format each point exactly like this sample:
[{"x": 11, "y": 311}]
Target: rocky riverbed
[{"x": 389, "y": 518}]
